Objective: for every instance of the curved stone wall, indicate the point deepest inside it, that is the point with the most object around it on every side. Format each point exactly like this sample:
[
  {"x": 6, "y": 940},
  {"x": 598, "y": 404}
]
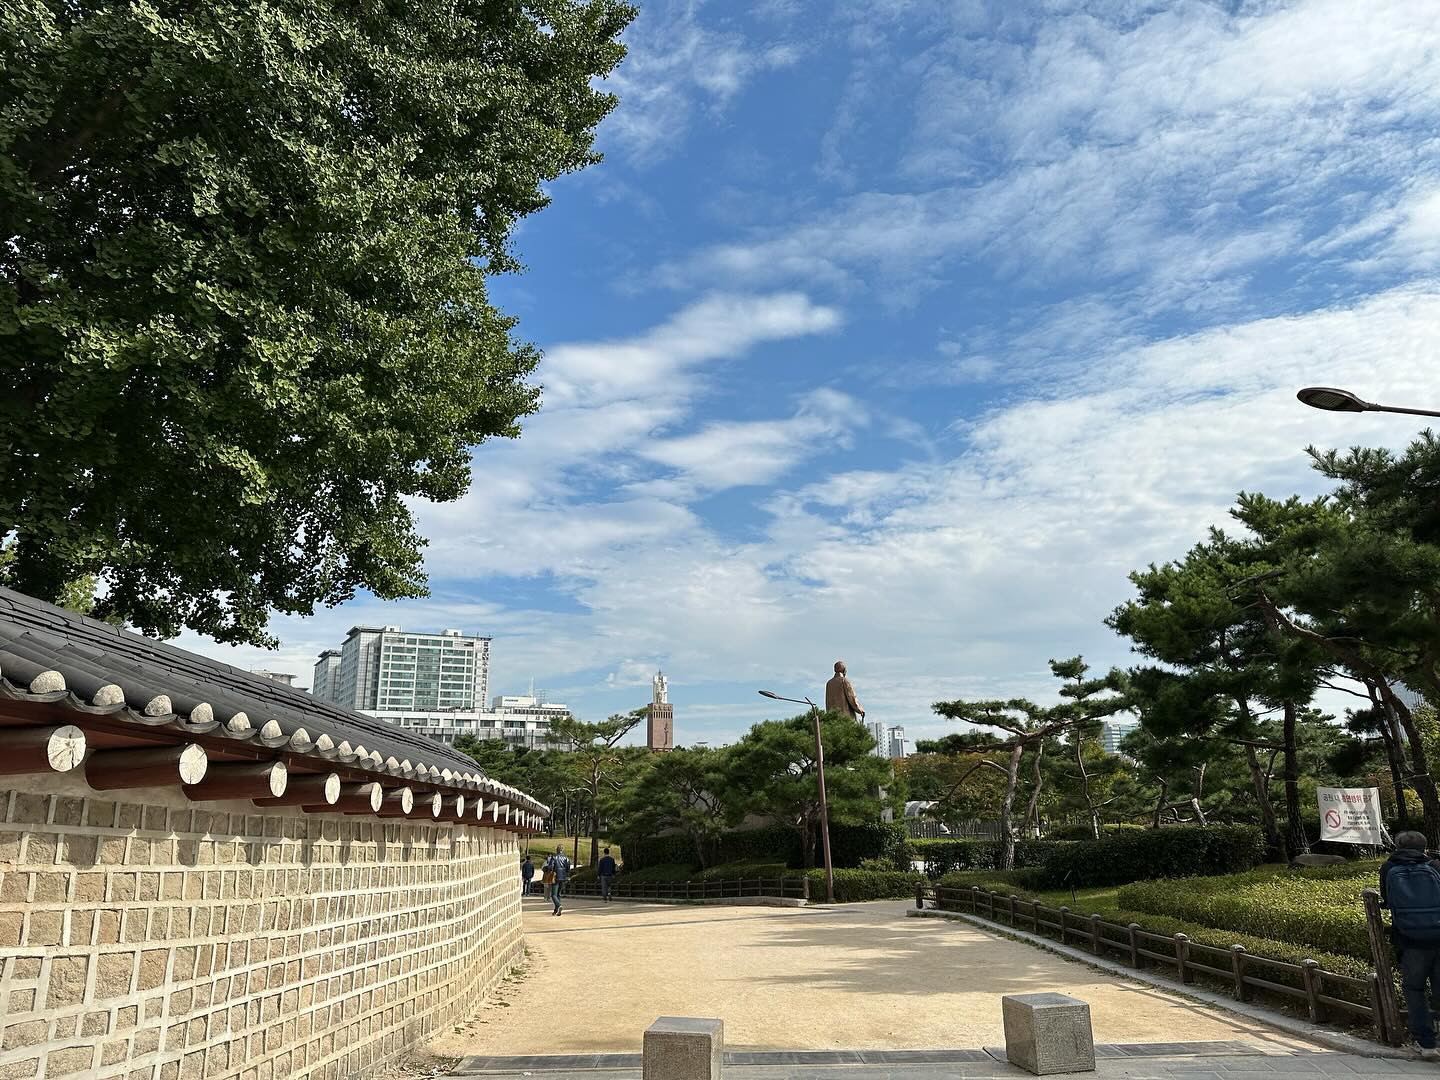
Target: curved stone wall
[{"x": 162, "y": 939}]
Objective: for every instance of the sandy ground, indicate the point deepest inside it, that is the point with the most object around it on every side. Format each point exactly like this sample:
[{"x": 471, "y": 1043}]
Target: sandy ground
[{"x": 856, "y": 976}]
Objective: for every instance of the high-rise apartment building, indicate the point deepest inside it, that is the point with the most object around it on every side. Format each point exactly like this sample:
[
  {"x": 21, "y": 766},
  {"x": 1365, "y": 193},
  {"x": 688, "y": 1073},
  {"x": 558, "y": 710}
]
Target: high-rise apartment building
[
  {"x": 1113, "y": 732},
  {"x": 895, "y": 742},
  {"x": 386, "y": 669},
  {"x": 325, "y": 681},
  {"x": 877, "y": 732}
]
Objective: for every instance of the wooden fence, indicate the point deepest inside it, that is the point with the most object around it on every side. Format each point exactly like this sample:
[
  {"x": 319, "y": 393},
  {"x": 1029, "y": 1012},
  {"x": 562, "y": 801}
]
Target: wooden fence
[
  {"x": 1325, "y": 995},
  {"x": 787, "y": 888}
]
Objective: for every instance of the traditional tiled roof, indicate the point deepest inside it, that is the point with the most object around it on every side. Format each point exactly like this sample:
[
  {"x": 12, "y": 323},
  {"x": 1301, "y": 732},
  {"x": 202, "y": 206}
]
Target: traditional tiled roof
[{"x": 52, "y": 656}]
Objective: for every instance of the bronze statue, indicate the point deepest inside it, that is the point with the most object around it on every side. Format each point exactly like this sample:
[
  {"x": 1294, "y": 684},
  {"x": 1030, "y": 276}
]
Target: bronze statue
[{"x": 840, "y": 694}]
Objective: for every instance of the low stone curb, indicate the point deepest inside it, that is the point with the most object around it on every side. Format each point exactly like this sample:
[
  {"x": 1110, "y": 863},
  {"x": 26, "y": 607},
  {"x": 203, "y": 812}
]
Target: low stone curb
[{"x": 1324, "y": 1036}]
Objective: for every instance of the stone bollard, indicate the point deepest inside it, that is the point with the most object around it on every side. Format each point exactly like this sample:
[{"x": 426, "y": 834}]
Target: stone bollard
[
  {"x": 683, "y": 1048},
  {"x": 1048, "y": 1033}
]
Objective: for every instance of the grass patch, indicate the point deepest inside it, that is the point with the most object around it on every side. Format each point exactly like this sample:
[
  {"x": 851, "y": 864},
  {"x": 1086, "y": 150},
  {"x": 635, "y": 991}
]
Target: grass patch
[
  {"x": 1318, "y": 907},
  {"x": 1110, "y": 903}
]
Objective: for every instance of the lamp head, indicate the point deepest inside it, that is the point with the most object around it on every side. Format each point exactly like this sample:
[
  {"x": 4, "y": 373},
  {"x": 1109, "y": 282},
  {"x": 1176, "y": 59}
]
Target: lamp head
[
  {"x": 1332, "y": 400},
  {"x": 767, "y": 693}
]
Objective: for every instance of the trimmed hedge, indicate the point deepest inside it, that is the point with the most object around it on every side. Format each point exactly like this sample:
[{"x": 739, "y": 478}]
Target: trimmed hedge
[
  {"x": 1139, "y": 855},
  {"x": 1317, "y": 907},
  {"x": 945, "y": 856},
  {"x": 1112, "y": 911},
  {"x": 855, "y": 885},
  {"x": 849, "y": 845}
]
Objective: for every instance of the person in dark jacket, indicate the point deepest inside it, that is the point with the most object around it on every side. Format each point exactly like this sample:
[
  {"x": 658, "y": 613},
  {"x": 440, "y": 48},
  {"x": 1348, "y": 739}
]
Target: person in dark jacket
[
  {"x": 1410, "y": 888},
  {"x": 605, "y": 869},
  {"x": 527, "y": 872}
]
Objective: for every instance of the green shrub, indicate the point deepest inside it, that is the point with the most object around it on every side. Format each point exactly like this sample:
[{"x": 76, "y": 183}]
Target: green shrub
[
  {"x": 1319, "y": 907},
  {"x": 731, "y": 871},
  {"x": 855, "y": 885},
  {"x": 849, "y": 845},
  {"x": 658, "y": 872},
  {"x": 647, "y": 851},
  {"x": 1080, "y": 830},
  {"x": 1142, "y": 854},
  {"x": 944, "y": 856},
  {"x": 1115, "y": 912}
]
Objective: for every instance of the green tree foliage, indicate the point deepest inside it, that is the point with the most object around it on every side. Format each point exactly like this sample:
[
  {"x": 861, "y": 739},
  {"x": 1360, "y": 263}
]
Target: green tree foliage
[
  {"x": 774, "y": 767},
  {"x": 686, "y": 790},
  {"x": 599, "y": 763},
  {"x": 1222, "y": 669},
  {"x": 243, "y": 306},
  {"x": 1031, "y": 728},
  {"x": 1356, "y": 575}
]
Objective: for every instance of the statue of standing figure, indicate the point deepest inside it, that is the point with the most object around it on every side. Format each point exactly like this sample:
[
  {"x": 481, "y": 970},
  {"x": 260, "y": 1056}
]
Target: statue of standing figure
[{"x": 840, "y": 694}]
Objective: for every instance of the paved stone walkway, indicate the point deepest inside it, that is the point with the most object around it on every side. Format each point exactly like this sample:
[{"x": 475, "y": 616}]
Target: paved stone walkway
[
  {"x": 1195, "y": 1061},
  {"x": 850, "y": 977}
]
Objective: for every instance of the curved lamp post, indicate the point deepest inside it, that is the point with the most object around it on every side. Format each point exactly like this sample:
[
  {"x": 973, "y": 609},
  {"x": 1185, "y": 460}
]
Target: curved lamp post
[
  {"x": 1332, "y": 400},
  {"x": 820, "y": 773}
]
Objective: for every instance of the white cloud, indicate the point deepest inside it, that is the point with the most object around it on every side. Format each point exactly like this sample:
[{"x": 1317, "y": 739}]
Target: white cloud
[
  {"x": 1166, "y": 154},
  {"x": 677, "y": 65},
  {"x": 739, "y": 453}
]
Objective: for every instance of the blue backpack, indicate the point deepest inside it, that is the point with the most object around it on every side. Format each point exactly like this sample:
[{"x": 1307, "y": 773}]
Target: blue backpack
[{"x": 1412, "y": 893}]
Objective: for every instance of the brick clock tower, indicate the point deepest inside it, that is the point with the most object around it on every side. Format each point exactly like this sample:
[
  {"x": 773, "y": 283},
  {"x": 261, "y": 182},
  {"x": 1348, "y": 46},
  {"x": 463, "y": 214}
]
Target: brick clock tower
[{"x": 660, "y": 728}]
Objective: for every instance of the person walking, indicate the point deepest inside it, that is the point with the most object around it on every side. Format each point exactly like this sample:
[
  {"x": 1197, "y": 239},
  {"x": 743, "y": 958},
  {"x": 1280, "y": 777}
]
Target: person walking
[
  {"x": 606, "y": 871},
  {"x": 527, "y": 873},
  {"x": 1410, "y": 888},
  {"x": 560, "y": 866},
  {"x": 547, "y": 877}
]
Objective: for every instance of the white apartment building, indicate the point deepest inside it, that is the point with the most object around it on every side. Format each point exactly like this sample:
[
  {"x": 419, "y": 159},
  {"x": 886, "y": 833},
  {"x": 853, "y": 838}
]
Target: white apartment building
[
  {"x": 522, "y": 720},
  {"x": 381, "y": 669},
  {"x": 1113, "y": 732}
]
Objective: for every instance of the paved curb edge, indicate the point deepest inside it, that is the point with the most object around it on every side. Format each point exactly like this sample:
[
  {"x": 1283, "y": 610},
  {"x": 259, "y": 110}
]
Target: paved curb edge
[{"x": 1324, "y": 1036}]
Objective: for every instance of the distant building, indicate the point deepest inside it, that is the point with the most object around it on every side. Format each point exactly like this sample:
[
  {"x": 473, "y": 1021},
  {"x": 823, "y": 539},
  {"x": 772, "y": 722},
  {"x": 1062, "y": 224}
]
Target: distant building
[
  {"x": 274, "y": 676},
  {"x": 877, "y": 732},
  {"x": 895, "y": 742},
  {"x": 384, "y": 669},
  {"x": 1113, "y": 732},
  {"x": 521, "y": 720},
  {"x": 660, "y": 717},
  {"x": 326, "y": 677}
]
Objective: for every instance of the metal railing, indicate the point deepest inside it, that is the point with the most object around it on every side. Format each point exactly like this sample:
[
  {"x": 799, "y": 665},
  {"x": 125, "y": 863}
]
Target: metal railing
[
  {"x": 785, "y": 888},
  {"x": 1322, "y": 993}
]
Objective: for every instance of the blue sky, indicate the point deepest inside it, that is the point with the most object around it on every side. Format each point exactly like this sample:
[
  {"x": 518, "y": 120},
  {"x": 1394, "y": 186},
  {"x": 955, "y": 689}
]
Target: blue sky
[{"x": 900, "y": 332}]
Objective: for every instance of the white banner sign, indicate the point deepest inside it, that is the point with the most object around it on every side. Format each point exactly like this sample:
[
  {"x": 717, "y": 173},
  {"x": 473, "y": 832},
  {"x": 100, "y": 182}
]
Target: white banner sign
[{"x": 1351, "y": 815}]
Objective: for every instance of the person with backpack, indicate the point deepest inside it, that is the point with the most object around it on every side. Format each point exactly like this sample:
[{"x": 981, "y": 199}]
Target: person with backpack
[
  {"x": 527, "y": 872},
  {"x": 558, "y": 865},
  {"x": 1410, "y": 888},
  {"x": 606, "y": 873}
]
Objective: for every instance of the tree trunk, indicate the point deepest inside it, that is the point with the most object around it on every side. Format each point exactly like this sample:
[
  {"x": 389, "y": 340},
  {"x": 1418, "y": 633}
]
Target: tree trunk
[
  {"x": 1160, "y": 803},
  {"x": 1090, "y": 810},
  {"x": 1259, "y": 780},
  {"x": 1421, "y": 779},
  {"x": 1032, "y": 809},
  {"x": 1199, "y": 793},
  {"x": 1390, "y": 735},
  {"x": 1296, "y": 842},
  {"x": 595, "y": 821},
  {"x": 1262, "y": 796},
  {"x": 807, "y": 844},
  {"x": 1007, "y": 827}
]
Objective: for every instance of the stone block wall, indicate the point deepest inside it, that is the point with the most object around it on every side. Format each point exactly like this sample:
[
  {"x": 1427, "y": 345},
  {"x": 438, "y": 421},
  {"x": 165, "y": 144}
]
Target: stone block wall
[{"x": 151, "y": 938}]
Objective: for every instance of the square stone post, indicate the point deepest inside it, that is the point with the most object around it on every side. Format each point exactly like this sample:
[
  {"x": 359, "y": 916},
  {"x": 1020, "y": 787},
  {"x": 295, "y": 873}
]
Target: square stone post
[
  {"x": 683, "y": 1048},
  {"x": 1048, "y": 1033}
]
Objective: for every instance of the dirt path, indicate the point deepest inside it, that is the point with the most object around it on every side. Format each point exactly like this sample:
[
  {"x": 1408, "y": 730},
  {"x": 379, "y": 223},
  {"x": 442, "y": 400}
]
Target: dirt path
[{"x": 856, "y": 976}]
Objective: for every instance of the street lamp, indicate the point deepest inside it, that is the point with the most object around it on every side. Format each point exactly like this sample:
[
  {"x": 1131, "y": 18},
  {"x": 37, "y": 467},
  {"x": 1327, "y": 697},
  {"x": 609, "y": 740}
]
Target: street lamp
[
  {"x": 1332, "y": 400},
  {"x": 820, "y": 773}
]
